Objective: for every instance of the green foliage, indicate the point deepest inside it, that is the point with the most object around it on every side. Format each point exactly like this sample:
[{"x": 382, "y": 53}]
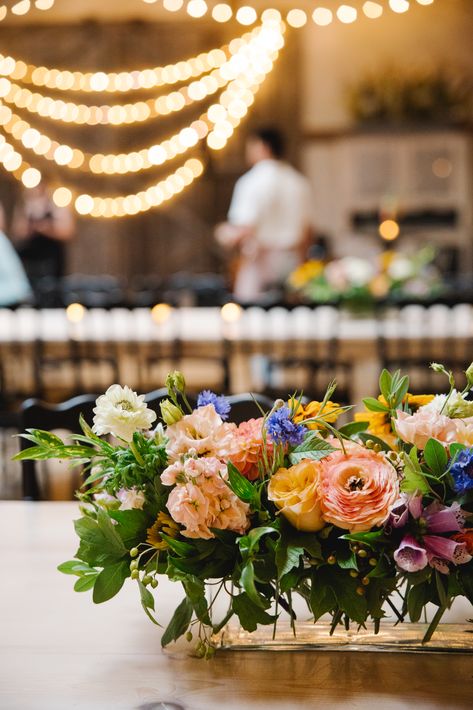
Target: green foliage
[
  {"x": 179, "y": 623},
  {"x": 435, "y": 457},
  {"x": 313, "y": 447},
  {"x": 249, "y": 613},
  {"x": 242, "y": 488},
  {"x": 110, "y": 581},
  {"x": 414, "y": 480}
]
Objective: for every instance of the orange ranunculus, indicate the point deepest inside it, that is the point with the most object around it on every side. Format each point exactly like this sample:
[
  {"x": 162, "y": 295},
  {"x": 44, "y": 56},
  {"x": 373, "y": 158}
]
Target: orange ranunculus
[
  {"x": 359, "y": 488},
  {"x": 296, "y": 492}
]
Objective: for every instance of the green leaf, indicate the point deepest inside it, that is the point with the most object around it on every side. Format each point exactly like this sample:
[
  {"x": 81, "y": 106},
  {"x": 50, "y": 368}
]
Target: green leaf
[
  {"x": 374, "y": 405},
  {"x": 43, "y": 438},
  {"x": 416, "y": 600},
  {"x": 242, "y": 487},
  {"x": 436, "y": 457},
  {"x": 455, "y": 450},
  {"x": 372, "y": 539},
  {"x": 343, "y": 587},
  {"x": 110, "y": 581},
  {"x": 132, "y": 525},
  {"x": 414, "y": 480},
  {"x": 251, "y": 541},
  {"x": 353, "y": 428},
  {"x": 287, "y": 557},
  {"x": 313, "y": 447},
  {"x": 247, "y": 581},
  {"x": 183, "y": 549},
  {"x": 76, "y": 567},
  {"x": 322, "y": 599},
  {"x": 40, "y": 453},
  {"x": 441, "y": 591},
  {"x": 85, "y": 583},
  {"x": 95, "y": 547},
  {"x": 112, "y": 537},
  {"x": 385, "y": 382},
  {"x": 195, "y": 592},
  {"x": 147, "y": 599},
  {"x": 465, "y": 577},
  {"x": 346, "y": 559},
  {"x": 250, "y": 614},
  {"x": 399, "y": 392},
  {"x": 179, "y": 623}
]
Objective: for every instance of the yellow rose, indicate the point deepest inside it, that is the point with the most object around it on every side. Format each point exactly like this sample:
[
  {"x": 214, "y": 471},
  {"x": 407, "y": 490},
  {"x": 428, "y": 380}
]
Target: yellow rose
[{"x": 296, "y": 492}]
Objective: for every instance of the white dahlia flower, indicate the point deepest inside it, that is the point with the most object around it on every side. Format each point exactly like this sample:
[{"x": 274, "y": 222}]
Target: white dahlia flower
[{"x": 121, "y": 412}]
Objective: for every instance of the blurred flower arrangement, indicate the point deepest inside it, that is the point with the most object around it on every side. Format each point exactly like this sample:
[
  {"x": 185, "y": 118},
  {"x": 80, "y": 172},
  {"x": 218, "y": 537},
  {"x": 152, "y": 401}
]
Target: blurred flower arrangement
[
  {"x": 350, "y": 518},
  {"x": 433, "y": 96},
  {"x": 356, "y": 282}
]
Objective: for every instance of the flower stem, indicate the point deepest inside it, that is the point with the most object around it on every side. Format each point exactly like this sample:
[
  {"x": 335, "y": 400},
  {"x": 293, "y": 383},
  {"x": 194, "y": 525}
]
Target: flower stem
[
  {"x": 137, "y": 454},
  {"x": 434, "y": 623}
]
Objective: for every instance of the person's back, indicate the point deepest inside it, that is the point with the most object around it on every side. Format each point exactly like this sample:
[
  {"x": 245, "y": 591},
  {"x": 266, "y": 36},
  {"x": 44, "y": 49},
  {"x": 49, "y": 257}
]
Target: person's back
[{"x": 281, "y": 203}]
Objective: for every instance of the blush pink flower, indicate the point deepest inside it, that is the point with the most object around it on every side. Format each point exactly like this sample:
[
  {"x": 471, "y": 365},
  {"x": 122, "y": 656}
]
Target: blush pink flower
[
  {"x": 425, "y": 424},
  {"x": 202, "y": 432},
  {"x": 201, "y": 498},
  {"x": 249, "y": 448},
  {"x": 359, "y": 488}
]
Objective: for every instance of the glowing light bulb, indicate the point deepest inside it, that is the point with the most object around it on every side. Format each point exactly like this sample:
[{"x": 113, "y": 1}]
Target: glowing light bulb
[
  {"x": 63, "y": 155},
  {"x": 231, "y": 312},
  {"x": 222, "y": 12},
  {"x": 389, "y": 230},
  {"x": 188, "y": 137},
  {"x": 347, "y": 14},
  {"x": 21, "y": 8},
  {"x": 75, "y": 312},
  {"x": 84, "y": 204},
  {"x": 196, "y": 8},
  {"x": 173, "y": 5},
  {"x": 372, "y": 10},
  {"x": 322, "y": 16},
  {"x": 44, "y": 4},
  {"x": 161, "y": 312},
  {"x": 399, "y": 5},
  {"x": 246, "y": 15},
  {"x": 296, "y": 18},
  {"x": 31, "y": 177},
  {"x": 62, "y": 197}
]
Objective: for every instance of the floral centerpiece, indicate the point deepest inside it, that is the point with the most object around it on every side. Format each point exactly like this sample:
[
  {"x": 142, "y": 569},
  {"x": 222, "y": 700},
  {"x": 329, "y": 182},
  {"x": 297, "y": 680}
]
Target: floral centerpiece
[
  {"x": 356, "y": 282},
  {"x": 349, "y": 518}
]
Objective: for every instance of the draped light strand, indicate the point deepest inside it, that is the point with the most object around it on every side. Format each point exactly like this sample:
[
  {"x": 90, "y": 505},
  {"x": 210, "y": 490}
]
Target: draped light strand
[
  {"x": 130, "y": 113},
  {"x": 296, "y": 17},
  {"x": 245, "y": 71},
  {"x": 114, "y": 82},
  {"x": 222, "y": 118},
  {"x": 24, "y": 6}
]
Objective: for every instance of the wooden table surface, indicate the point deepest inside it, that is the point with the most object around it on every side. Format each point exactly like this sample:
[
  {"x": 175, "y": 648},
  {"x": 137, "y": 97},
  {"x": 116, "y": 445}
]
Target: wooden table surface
[{"x": 58, "y": 650}]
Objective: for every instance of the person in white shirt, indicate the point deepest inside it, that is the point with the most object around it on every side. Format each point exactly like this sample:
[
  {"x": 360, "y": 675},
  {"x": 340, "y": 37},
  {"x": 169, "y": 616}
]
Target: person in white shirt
[{"x": 269, "y": 219}]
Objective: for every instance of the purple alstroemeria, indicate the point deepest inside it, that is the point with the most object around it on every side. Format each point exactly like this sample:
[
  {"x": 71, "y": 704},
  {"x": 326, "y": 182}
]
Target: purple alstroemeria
[{"x": 427, "y": 546}]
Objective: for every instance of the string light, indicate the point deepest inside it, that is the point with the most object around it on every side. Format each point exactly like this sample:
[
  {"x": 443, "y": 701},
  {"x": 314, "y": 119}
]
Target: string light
[
  {"x": 121, "y": 82},
  {"x": 22, "y": 7},
  {"x": 372, "y": 10},
  {"x": 251, "y": 60}
]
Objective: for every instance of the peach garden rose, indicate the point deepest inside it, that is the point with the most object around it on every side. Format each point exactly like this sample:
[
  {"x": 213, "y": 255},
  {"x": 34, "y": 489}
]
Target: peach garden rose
[
  {"x": 359, "y": 488},
  {"x": 296, "y": 492}
]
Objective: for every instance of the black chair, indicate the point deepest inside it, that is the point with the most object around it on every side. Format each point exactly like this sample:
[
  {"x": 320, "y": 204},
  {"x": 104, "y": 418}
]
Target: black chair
[
  {"x": 35, "y": 414},
  {"x": 247, "y": 406}
]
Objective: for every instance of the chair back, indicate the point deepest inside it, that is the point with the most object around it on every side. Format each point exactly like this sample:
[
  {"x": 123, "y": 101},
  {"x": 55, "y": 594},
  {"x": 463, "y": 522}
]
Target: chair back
[
  {"x": 35, "y": 414},
  {"x": 248, "y": 406}
]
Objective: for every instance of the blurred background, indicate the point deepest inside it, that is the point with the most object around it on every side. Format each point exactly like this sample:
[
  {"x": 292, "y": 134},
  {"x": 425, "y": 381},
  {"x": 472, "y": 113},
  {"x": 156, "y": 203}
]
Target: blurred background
[{"x": 124, "y": 128}]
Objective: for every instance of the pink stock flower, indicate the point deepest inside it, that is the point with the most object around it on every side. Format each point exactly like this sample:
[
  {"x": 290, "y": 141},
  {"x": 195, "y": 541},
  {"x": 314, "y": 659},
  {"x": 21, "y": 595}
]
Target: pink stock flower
[
  {"x": 428, "y": 546},
  {"x": 250, "y": 448},
  {"x": 359, "y": 488},
  {"x": 204, "y": 432},
  {"x": 427, "y": 423},
  {"x": 201, "y": 498}
]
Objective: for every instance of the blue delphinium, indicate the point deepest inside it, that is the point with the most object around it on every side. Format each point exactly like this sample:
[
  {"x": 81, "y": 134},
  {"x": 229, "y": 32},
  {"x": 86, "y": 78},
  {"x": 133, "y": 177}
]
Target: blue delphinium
[
  {"x": 462, "y": 471},
  {"x": 219, "y": 402},
  {"x": 282, "y": 430}
]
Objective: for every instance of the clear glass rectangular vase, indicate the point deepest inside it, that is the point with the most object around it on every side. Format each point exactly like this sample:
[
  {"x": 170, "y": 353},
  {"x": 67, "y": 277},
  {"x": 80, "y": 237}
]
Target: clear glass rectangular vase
[{"x": 307, "y": 636}]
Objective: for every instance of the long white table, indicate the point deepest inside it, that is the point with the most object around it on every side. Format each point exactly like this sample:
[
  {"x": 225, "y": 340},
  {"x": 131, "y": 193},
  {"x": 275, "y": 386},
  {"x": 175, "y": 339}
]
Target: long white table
[
  {"x": 202, "y": 332},
  {"x": 58, "y": 650}
]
